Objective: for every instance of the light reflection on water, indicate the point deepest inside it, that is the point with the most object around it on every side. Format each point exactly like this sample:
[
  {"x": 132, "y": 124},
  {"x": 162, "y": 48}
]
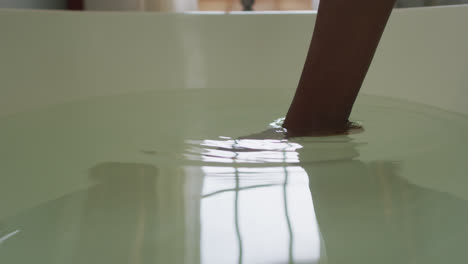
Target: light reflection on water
[
  {"x": 7, "y": 236},
  {"x": 258, "y": 221},
  {"x": 244, "y": 151},
  {"x": 264, "y": 214}
]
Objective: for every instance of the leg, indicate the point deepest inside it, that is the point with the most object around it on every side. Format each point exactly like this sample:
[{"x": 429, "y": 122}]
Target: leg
[{"x": 345, "y": 38}]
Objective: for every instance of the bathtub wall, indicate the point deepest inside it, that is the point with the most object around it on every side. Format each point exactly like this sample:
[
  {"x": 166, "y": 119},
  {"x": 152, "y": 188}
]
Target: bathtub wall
[{"x": 54, "y": 57}]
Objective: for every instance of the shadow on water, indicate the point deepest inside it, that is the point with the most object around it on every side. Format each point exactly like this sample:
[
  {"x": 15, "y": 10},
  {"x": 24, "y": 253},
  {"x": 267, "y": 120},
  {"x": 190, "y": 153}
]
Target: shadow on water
[
  {"x": 368, "y": 213},
  {"x": 128, "y": 188},
  {"x": 129, "y": 216}
]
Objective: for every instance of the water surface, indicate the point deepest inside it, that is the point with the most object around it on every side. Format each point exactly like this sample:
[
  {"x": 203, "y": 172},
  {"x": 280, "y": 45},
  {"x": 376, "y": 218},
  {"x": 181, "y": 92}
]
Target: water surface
[{"x": 169, "y": 177}]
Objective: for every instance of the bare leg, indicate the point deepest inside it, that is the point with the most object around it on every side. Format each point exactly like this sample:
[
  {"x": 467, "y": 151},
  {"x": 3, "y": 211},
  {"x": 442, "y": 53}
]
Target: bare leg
[{"x": 345, "y": 38}]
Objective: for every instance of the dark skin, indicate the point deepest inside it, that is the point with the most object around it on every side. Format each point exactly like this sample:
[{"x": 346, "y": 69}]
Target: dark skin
[{"x": 345, "y": 38}]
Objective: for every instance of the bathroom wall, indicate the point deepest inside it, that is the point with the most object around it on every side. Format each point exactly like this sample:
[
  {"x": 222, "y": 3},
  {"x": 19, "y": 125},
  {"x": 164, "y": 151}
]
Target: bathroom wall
[
  {"x": 36, "y": 4},
  {"x": 418, "y": 3},
  {"x": 143, "y": 5}
]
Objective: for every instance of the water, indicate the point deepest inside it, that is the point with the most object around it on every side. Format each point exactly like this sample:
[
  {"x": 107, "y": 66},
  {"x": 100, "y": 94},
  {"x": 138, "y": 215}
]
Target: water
[{"x": 170, "y": 177}]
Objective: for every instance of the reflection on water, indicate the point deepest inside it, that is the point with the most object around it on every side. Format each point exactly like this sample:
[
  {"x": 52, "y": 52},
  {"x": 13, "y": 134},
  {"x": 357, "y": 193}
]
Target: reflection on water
[
  {"x": 3, "y": 238},
  {"x": 265, "y": 213},
  {"x": 244, "y": 151},
  {"x": 257, "y": 220},
  {"x": 356, "y": 212}
]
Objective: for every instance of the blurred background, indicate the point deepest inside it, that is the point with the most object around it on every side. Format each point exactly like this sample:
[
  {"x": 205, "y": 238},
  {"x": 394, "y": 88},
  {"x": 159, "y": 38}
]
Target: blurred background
[{"x": 195, "y": 5}]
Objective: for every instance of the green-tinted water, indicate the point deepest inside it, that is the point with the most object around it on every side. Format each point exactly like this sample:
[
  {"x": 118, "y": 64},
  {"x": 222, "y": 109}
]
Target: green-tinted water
[{"x": 161, "y": 177}]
